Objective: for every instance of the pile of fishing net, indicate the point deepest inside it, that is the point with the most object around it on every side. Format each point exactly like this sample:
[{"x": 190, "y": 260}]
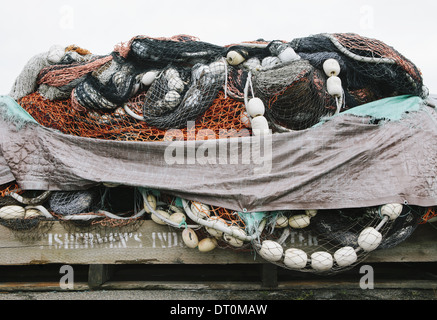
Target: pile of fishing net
[{"x": 148, "y": 86}]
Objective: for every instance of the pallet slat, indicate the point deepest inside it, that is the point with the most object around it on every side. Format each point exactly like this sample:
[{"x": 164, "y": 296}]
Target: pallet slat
[{"x": 156, "y": 244}]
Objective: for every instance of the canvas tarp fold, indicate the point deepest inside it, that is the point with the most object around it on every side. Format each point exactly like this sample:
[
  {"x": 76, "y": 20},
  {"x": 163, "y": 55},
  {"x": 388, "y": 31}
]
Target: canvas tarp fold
[{"x": 347, "y": 161}]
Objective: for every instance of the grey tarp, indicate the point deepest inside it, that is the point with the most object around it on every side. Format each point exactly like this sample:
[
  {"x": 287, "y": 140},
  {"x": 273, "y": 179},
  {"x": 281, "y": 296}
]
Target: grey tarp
[{"x": 347, "y": 161}]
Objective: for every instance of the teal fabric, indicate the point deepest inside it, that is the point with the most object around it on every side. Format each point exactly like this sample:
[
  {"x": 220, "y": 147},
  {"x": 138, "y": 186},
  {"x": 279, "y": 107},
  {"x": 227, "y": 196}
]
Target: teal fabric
[
  {"x": 390, "y": 109},
  {"x": 12, "y": 112},
  {"x": 252, "y": 220},
  {"x": 393, "y": 108}
]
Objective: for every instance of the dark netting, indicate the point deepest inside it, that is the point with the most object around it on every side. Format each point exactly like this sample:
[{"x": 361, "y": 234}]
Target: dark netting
[
  {"x": 366, "y": 64},
  {"x": 184, "y": 50},
  {"x": 171, "y": 102},
  {"x": 295, "y": 95}
]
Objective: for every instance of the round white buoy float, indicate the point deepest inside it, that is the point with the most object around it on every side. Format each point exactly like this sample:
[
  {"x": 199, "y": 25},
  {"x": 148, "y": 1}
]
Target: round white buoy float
[
  {"x": 253, "y": 64},
  {"x": 333, "y": 86},
  {"x": 299, "y": 221},
  {"x": 321, "y": 261},
  {"x": 177, "y": 217},
  {"x": 369, "y": 239},
  {"x": 295, "y": 258},
  {"x": 271, "y": 250},
  {"x": 157, "y": 219},
  {"x": 255, "y": 107},
  {"x": 219, "y": 223},
  {"x": 190, "y": 238},
  {"x": 151, "y": 199},
  {"x": 207, "y": 244},
  {"x": 234, "y": 241},
  {"x": 392, "y": 210},
  {"x": 260, "y": 126},
  {"x": 270, "y": 62},
  {"x": 234, "y": 58},
  {"x": 331, "y": 67},
  {"x": 311, "y": 213},
  {"x": 148, "y": 78},
  {"x": 176, "y": 84},
  {"x": 200, "y": 210},
  {"x": 345, "y": 256},
  {"x": 172, "y": 98},
  {"x": 12, "y": 212}
]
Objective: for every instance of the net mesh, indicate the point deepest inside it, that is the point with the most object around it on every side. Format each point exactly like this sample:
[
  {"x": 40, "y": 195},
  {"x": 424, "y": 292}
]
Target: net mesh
[{"x": 224, "y": 114}]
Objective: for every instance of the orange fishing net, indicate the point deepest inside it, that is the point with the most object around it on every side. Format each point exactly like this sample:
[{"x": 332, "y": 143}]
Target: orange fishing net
[
  {"x": 9, "y": 187},
  {"x": 430, "y": 213},
  {"x": 229, "y": 217},
  {"x": 223, "y": 119}
]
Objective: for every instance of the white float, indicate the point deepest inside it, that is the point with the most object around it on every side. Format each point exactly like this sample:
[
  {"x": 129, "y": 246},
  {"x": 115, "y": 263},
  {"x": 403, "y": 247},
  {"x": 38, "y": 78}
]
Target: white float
[
  {"x": 255, "y": 107},
  {"x": 234, "y": 58},
  {"x": 270, "y": 62},
  {"x": 333, "y": 86},
  {"x": 151, "y": 199},
  {"x": 321, "y": 261},
  {"x": 331, "y": 67},
  {"x": 12, "y": 212},
  {"x": 235, "y": 241},
  {"x": 157, "y": 219},
  {"x": 299, "y": 221},
  {"x": 177, "y": 218},
  {"x": 219, "y": 223},
  {"x": 295, "y": 258},
  {"x": 172, "y": 98},
  {"x": 392, "y": 210},
  {"x": 311, "y": 213},
  {"x": 260, "y": 126},
  {"x": 200, "y": 210},
  {"x": 281, "y": 222},
  {"x": 345, "y": 256},
  {"x": 271, "y": 250},
  {"x": 190, "y": 238},
  {"x": 148, "y": 78},
  {"x": 207, "y": 244},
  {"x": 369, "y": 239}
]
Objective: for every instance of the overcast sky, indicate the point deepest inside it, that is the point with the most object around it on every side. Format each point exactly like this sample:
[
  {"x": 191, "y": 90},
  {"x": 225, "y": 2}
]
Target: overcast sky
[{"x": 29, "y": 27}]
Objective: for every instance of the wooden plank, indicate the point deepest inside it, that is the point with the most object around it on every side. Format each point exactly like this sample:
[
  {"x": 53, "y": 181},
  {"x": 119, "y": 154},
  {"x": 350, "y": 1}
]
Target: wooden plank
[
  {"x": 269, "y": 275},
  {"x": 40, "y": 286},
  {"x": 98, "y": 275},
  {"x": 149, "y": 244},
  {"x": 155, "y": 244},
  {"x": 419, "y": 247},
  {"x": 289, "y": 285}
]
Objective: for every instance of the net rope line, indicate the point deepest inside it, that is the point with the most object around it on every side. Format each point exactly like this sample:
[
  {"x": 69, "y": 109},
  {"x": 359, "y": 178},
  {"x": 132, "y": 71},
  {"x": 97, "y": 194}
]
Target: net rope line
[{"x": 357, "y": 57}]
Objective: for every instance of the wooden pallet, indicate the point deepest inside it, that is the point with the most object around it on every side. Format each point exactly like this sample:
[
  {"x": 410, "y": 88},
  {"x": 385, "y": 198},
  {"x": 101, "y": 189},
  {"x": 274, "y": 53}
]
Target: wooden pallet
[{"x": 161, "y": 247}]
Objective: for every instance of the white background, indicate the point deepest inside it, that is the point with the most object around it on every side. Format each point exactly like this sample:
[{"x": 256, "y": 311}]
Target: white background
[{"x": 30, "y": 27}]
